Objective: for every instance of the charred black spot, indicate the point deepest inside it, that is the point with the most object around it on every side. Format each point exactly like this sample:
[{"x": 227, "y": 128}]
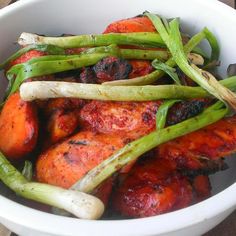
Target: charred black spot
[
  {"x": 158, "y": 188},
  {"x": 139, "y": 16},
  {"x": 73, "y": 142},
  {"x": 118, "y": 167},
  {"x": 209, "y": 167},
  {"x": 66, "y": 35},
  {"x": 184, "y": 110},
  {"x": 205, "y": 74},
  {"x": 184, "y": 79},
  {"x": 112, "y": 68},
  {"x": 69, "y": 73},
  {"x": 88, "y": 76},
  {"x": 69, "y": 158},
  {"x": 127, "y": 140},
  {"x": 146, "y": 117},
  {"x": 65, "y": 154}
]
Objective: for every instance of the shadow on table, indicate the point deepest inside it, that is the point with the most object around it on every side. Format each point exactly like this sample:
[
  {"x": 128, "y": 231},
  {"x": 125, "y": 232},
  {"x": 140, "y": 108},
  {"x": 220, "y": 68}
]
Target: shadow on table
[{"x": 226, "y": 228}]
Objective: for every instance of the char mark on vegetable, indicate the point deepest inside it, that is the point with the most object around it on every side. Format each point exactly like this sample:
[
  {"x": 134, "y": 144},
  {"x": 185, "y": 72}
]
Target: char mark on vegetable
[
  {"x": 112, "y": 68},
  {"x": 184, "y": 110},
  {"x": 74, "y": 142}
]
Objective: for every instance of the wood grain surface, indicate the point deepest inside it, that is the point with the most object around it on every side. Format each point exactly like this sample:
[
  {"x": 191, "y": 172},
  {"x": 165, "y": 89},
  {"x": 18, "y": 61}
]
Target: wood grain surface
[{"x": 226, "y": 228}]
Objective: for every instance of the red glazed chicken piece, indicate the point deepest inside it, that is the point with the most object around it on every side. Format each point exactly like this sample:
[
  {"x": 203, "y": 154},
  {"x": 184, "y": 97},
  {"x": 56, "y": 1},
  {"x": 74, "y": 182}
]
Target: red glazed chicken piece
[{"x": 153, "y": 187}]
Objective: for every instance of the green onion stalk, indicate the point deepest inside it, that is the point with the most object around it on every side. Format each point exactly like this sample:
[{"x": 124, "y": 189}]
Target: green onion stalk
[
  {"x": 50, "y": 49},
  {"x": 46, "y": 65},
  {"x": 27, "y": 171},
  {"x": 158, "y": 65},
  {"x": 113, "y": 49},
  {"x": 140, "y": 54},
  {"x": 77, "y": 203},
  {"x": 49, "y": 89},
  {"x": 138, "y": 39},
  {"x": 135, "y": 149},
  {"x": 155, "y": 75},
  {"x": 190, "y": 46},
  {"x": 15, "y": 74},
  {"x": 171, "y": 36},
  {"x": 162, "y": 112}
]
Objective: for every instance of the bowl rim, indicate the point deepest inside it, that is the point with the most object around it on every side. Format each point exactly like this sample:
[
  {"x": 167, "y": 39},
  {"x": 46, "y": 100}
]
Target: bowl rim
[
  {"x": 180, "y": 219},
  {"x": 177, "y": 220}
]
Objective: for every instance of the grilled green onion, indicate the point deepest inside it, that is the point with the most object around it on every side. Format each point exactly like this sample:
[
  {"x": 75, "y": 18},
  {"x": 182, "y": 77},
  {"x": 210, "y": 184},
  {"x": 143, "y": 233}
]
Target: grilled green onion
[
  {"x": 173, "y": 40},
  {"x": 139, "y": 39},
  {"x": 77, "y": 203},
  {"x": 48, "y": 89}
]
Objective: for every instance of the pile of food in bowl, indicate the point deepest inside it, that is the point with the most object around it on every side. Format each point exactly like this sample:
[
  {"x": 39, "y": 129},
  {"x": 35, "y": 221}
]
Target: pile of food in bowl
[{"x": 126, "y": 124}]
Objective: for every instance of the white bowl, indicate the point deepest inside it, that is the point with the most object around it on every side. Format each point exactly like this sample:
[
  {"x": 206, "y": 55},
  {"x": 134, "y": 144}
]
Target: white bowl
[{"x": 54, "y": 17}]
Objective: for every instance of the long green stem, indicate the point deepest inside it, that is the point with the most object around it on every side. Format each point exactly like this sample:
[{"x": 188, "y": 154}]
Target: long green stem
[
  {"x": 158, "y": 65},
  {"x": 136, "y": 148},
  {"x": 215, "y": 48},
  {"x": 155, "y": 75},
  {"x": 50, "y": 49},
  {"x": 144, "y": 54},
  {"x": 27, "y": 171},
  {"x": 80, "y": 204},
  {"x": 162, "y": 112},
  {"x": 47, "y": 89},
  {"x": 45, "y": 67},
  {"x": 172, "y": 38},
  {"x": 140, "y": 39},
  {"x": 140, "y": 54},
  {"x": 57, "y": 53},
  {"x": 52, "y": 64}
]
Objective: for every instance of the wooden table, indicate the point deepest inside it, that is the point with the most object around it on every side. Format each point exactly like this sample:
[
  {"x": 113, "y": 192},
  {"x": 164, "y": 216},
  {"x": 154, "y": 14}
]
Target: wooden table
[{"x": 226, "y": 228}]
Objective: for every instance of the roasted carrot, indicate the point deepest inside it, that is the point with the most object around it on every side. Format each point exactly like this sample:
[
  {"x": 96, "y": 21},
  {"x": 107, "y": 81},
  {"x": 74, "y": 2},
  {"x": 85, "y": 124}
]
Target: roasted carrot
[
  {"x": 61, "y": 124},
  {"x": 135, "y": 24},
  {"x": 27, "y": 56},
  {"x": 65, "y": 163},
  {"x": 18, "y": 127}
]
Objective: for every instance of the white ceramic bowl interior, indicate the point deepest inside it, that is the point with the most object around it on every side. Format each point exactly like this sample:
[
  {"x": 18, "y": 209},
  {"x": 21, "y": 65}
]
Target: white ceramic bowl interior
[{"x": 90, "y": 16}]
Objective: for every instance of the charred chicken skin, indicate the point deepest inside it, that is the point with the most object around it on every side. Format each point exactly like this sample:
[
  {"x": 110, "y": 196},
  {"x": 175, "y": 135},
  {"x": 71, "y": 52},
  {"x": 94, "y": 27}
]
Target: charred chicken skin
[
  {"x": 64, "y": 163},
  {"x": 132, "y": 119},
  {"x": 154, "y": 186},
  {"x": 210, "y": 143},
  {"x": 135, "y": 119}
]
